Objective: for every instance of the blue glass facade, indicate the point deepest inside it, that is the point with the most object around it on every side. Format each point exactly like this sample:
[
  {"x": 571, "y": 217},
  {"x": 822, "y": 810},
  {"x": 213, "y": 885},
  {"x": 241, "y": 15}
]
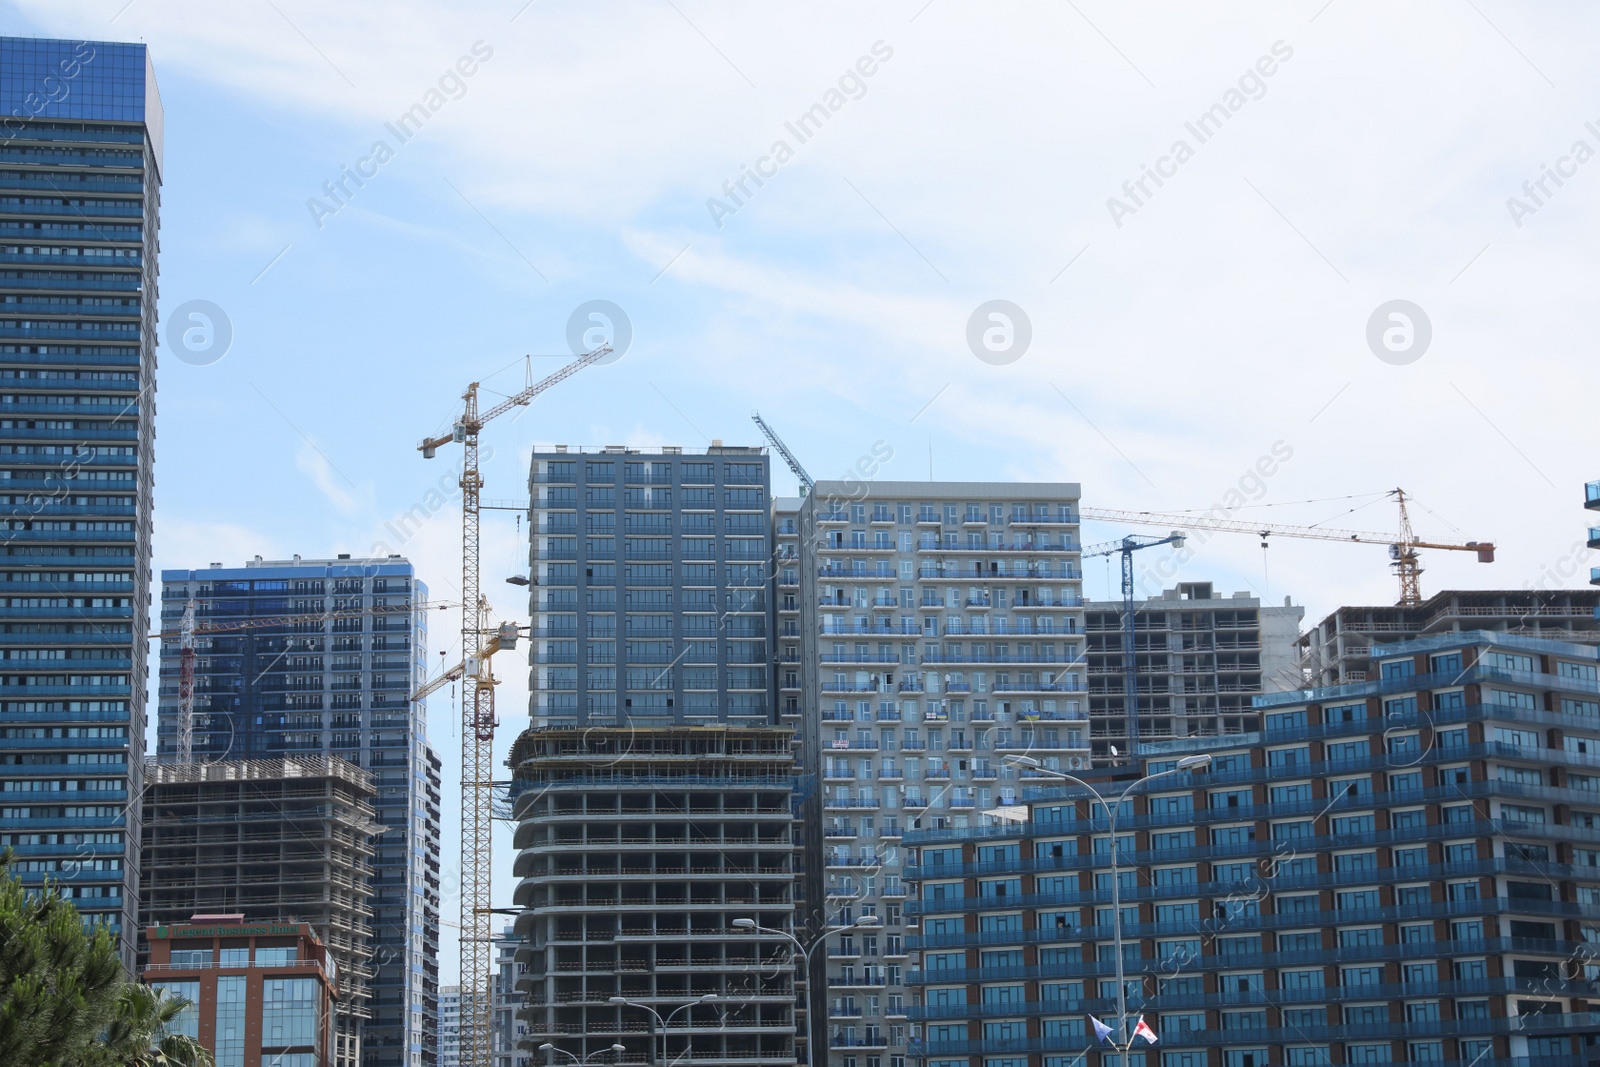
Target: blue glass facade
[
  {"x": 650, "y": 597},
  {"x": 321, "y": 656},
  {"x": 80, "y": 158},
  {"x": 1403, "y": 870}
]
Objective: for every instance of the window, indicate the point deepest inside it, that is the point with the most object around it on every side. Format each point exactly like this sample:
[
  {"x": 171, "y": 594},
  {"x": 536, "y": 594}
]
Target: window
[
  {"x": 1422, "y": 1011},
  {"x": 1365, "y": 1014},
  {"x": 1300, "y": 792},
  {"x": 1306, "y": 1056},
  {"x": 1416, "y": 934},
  {"x": 1360, "y": 936},
  {"x": 1345, "y": 751},
  {"x": 1359, "y": 976},
  {"x": 1468, "y": 970},
  {"x": 1411, "y": 857},
  {"x": 1367, "y": 1054},
  {"x": 1396, "y": 668},
  {"x": 1472, "y": 1009},
  {"x": 1286, "y": 757},
  {"x": 1411, "y": 894},
  {"x": 1410, "y": 819},
  {"x": 288, "y": 1012},
  {"x": 1301, "y": 979},
  {"x": 1415, "y": 973}
]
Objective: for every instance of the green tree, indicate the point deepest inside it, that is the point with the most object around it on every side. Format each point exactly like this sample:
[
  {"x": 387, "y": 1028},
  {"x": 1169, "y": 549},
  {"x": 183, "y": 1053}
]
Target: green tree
[{"x": 65, "y": 1000}]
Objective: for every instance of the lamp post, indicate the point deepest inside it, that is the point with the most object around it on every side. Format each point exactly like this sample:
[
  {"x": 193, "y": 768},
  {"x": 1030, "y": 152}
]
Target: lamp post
[
  {"x": 805, "y": 956},
  {"x": 1187, "y": 763},
  {"x": 655, "y": 1017},
  {"x": 549, "y": 1050}
]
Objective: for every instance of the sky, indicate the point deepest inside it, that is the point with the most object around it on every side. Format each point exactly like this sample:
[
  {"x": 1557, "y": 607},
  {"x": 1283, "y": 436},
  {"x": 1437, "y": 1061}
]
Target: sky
[{"x": 1280, "y": 257}]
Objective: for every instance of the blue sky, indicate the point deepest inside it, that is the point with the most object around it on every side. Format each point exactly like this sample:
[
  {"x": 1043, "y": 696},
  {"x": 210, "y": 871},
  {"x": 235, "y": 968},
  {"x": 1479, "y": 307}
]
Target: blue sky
[{"x": 1172, "y": 347}]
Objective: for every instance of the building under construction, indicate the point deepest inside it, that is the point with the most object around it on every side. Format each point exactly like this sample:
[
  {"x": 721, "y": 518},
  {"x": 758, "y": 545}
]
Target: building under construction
[
  {"x": 1337, "y": 650},
  {"x": 1202, "y": 659},
  {"x": 638, "y": 848},
  {"x": 276, "y": 841}
]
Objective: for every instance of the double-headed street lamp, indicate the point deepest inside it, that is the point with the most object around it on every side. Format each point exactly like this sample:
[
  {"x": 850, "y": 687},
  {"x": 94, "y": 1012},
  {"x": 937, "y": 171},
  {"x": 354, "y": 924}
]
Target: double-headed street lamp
[
  {"x": 550, "y": 1050},
  {"x": 1187, "y": 763},
  {"x": 805, "y": 956},
  {"x": 655, "y": 1017}
]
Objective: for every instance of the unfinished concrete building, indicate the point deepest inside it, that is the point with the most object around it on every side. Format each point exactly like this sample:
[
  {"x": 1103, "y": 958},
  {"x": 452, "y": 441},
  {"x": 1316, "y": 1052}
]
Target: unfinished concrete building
[
  {"x": 1202, "y": 658},
  {"x": 637, "y": 850},
  {"x": 1337, "y": 650},
  {"x": 276, "y": 841}
]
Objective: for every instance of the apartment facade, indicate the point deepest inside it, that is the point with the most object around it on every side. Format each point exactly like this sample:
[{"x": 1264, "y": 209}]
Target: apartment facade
[
  {"x": 450, "y": 1026},
  {"x": 651, "y": 579},
  {"x": 80, "y": 179},
  {"x": 1337, "y": 650},
  {"x": 509, "y": 1030},
  {"x": 1404, "y": 869},
  {"x": 260, "y": 994},
  {"x": 274, "y": 841},
  {"x": 1201, "y": 660},
  {"x": 940, "y": 627},
  {"x": 320, "y": 656}
]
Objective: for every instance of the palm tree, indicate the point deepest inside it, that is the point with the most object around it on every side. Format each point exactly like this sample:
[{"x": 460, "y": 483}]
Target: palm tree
[{"x": 141, "y": 1033}]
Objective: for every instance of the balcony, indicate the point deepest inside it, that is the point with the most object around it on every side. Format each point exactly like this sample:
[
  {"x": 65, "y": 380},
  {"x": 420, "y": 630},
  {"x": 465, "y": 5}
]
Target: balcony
[{"x": 1591, "y": 496}]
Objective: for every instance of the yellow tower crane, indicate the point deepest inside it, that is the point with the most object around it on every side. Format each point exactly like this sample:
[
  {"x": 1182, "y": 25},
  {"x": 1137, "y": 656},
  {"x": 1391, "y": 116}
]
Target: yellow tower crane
[
  {"x": 1403, "y": 554},
  {"x": 477, "y": 716}
]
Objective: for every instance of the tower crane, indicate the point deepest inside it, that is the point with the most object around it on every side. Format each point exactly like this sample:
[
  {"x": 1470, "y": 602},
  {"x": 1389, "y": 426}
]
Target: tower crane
[
  {"x": 1127, "y": 546},
  {"x": 1403, "y": 550},
  {"x": 477, "y": 714},
  {"x": 806, "y": 483}
]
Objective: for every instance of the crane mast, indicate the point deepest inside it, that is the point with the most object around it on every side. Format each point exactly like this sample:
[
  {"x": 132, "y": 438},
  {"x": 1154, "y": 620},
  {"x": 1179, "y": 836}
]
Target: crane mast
[{"x": 477, "y": 716}]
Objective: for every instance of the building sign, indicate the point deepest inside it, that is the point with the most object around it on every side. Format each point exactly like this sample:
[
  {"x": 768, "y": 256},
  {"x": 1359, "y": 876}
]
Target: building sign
[{"x": 163, "y": 933}]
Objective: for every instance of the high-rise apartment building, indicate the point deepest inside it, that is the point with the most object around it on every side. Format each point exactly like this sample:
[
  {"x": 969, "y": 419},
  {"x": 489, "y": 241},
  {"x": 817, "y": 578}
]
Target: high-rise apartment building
[
  {"x": 321, "y": 656},
  {"x": 450, "y": 1026},
  {"x": 655, "y": 786},
  {"x": 1401, "y": 870},
  {"x": 940, "y": 627},
  {"x": 1338, "y": 650},
  {"x": 509, "y": 1030},
  {"x": 80, "y": 175},
  {"x": 1201, "y": 659},
  {"x": 650, "y": 602},
  {"x": 275, "y": 841}
]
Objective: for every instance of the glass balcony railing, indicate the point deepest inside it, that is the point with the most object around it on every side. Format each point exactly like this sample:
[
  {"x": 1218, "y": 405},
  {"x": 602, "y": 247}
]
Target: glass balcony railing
[{"x": 1591, "y": 495}]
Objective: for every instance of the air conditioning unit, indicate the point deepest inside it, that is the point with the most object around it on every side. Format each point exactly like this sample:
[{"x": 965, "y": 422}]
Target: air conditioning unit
[{"x": 1075, "y": 763}]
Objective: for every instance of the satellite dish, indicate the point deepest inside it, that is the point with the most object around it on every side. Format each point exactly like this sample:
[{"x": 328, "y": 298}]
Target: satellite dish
[{"x": 1114, "y": 751}]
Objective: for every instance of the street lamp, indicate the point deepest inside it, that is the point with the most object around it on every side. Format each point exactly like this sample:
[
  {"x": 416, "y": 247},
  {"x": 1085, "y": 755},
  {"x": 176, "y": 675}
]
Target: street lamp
[
  {"x": 655, "y": 1017},
  {"x": 805, "y": 956},
  {"x": 1187, "y": 763},
  {"x": 549, "y": 1050}
]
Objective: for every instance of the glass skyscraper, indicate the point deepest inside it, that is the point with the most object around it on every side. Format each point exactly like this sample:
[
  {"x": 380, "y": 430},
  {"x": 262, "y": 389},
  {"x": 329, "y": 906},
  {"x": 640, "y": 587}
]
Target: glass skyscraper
[
  {"x": 321, "y": 656},
  {"x": 80, "y": 173}
]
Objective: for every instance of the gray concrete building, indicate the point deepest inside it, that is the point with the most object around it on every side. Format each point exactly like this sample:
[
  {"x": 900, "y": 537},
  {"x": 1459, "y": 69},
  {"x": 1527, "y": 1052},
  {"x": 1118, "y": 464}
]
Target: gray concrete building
[
  {"x": 283, "y": 840},
  {"x": 1202, "y": 658}
]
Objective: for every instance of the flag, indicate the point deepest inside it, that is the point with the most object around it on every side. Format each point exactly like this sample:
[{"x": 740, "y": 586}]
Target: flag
[
  {"x": 1143, "y": 1030},
  {"x": 1101, "y": 1030}
]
